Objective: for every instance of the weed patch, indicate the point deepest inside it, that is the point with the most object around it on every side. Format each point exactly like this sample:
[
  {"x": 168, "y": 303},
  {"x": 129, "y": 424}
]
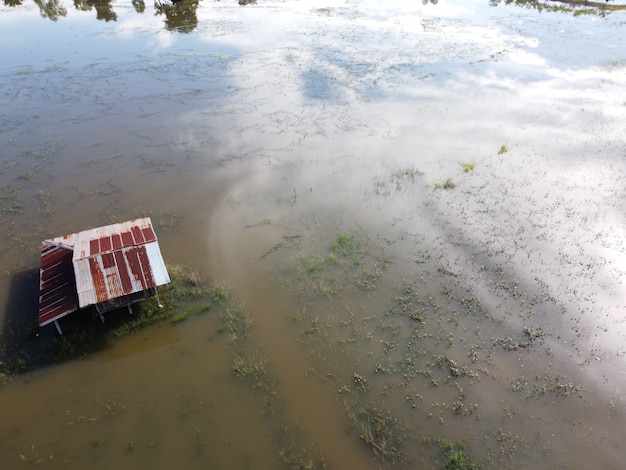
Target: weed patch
[
  {"x": 454, "y": 454},
  {"x": 380, "y": 432},
  {"x": 467, "y": 166},
  {"x": 447, "y": 184}
]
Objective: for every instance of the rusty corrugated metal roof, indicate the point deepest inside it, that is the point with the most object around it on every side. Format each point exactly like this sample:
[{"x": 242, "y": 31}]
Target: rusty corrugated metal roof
[
  {"x": 99, "y": 265},
  {"x": 57, "y": 287}
]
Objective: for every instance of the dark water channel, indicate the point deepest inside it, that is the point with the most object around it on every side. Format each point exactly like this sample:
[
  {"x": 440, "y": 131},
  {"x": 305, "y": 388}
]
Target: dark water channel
[{"x": 421, "y": 209}]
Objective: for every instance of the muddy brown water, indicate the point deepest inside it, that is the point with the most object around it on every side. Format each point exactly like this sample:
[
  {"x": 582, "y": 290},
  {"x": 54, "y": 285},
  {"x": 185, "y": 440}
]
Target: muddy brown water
[{"x": 299, "y": 152}]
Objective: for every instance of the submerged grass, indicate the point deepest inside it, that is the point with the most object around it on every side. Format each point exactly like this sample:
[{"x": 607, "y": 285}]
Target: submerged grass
[
  {"x": 384, "y": 186},
  {"x": 186, "y": 287},
  {"x": 467, "y": 166},
  {"x": 380, "y": 432},
  {"x": 10, "y": 202},
  {"x": 447, "y": 184},
  {"x": 237, "y": 322},
  {"x": 250, "y": 367},
  {"x": 426, "y": 343},
  {"x": 454, "y": 454}
]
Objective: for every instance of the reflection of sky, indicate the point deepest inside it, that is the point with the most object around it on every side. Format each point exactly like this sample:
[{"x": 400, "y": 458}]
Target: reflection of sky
[{"x": 463, "y": 29}]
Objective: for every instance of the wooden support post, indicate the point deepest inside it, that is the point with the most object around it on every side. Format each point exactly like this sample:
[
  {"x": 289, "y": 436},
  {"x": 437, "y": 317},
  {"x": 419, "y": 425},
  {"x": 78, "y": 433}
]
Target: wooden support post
[
  {"x": 59, "y": 330},
  {"x": 130, "y": 309},
  {"x": 101, "y": 317}
]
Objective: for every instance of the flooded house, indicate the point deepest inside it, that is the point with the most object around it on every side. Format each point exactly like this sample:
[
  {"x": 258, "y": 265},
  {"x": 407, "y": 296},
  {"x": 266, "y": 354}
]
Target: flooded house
[{"x": 108, "y": 267}]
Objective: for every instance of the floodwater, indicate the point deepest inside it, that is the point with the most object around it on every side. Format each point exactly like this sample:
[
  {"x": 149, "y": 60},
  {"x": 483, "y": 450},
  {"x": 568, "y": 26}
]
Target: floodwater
[{"x": 421, "y": 207}]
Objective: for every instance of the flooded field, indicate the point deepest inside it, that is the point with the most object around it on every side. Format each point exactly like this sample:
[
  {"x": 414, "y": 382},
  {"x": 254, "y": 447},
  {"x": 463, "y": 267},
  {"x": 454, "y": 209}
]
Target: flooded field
[{"x": 406, "y": 225}]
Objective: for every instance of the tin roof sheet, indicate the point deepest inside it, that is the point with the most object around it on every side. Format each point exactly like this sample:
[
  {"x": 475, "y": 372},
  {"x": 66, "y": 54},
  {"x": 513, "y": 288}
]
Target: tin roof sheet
[
  {"x": 57, "y": 287},
  {"x": 114, "y": 274},
  {"x": 98, "y": 265}
]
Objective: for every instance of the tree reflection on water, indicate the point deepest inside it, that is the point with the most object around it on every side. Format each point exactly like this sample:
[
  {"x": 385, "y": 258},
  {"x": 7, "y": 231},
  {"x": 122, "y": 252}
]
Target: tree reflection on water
[
  {"x": 50, "y": 9},
  {"x": 104, "y": 9},
  {"x": 180, "y": 15}
]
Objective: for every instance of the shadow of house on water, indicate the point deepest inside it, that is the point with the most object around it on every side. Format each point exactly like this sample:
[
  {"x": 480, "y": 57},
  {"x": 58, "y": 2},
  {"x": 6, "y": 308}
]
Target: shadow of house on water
[
  {"x": 20, "y": 321},
  {"x": 25, "y": 345}
]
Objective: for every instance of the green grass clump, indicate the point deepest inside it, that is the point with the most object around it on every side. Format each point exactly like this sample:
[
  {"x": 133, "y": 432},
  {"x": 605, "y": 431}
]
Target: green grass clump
[
  {"x": 220, "y": 291},
  {"x": 503, "y": 149},
  {"x": 19, "y": 365},
  {"x": 182, "y": 316},
  {"x": 250, "y": 367},
  {"x": 315, "y": 265},
  {"x": 467, "y": 166},
  {"x": 457, "y": 458},
  {"x": 343, "y": 245},
  {"x": 74, "y": 343},
  {"x": 192, "y": 311},
  {"x": 447, "y": 184},
  {"x": 409, "y": 173},
  {"x": 237, "y": 322},
  {"x": 186, "y": 287},
  {"x": 148, "y": 314},
  {"x": 454, "y": 454}
]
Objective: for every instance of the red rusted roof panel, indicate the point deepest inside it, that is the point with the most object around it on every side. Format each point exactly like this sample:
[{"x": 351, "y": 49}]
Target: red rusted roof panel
[
  {"x": 57, "y": 289},
  {"x": 127, "y": 239},
  {"x": 148, "y": 234},
  {"x": 116, "y": 238},
  {"x": 105, "y": 244},
  {"x": 146, "y": 270},
  {"x": 137, "y": 235},
  {"x": 108, "y": 260},
  {"x": 134, "y": 267},
  {"x": 94, "y": 246},
  {"x": 120, "y": 261},
  {"x": 97, "y": 279}
]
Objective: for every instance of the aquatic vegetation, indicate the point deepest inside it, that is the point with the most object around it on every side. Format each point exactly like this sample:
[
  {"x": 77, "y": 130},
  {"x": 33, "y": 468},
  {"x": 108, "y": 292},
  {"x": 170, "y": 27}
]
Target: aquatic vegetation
[
  {"x": 19, "y": 364},
  {"x": 380, "y": 431},
  {"x": 236, "y": 321},
  {"x": 9, "y": 201},
  {"x": 220, "y": 291},
  {"x": 409, "y": 173},
  {"x": 315, "y": 265},
  {"x": 467, "y": 166},
  {"x": 44, "y": 200},
  {"x": 186, "y": 287},
  {"x": 29, "y": 174},
  {"x": 191, "y": 311},
  {"x": 454, "y": 454},
  {"x": 359, "y": 382},
  {"x": 250, "y": 367},
  {"x": 384, "y": 186},
  {"x": 163, "y": 221},
  {"x": 557, "y": 386},
  {"x": 447, "y": 184},
  {"x": 76, "y": 342},
  {"x": 343, "y": 245},
  {"x": 427, "y": 334},
  {"x": 503, "y": 149}
]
